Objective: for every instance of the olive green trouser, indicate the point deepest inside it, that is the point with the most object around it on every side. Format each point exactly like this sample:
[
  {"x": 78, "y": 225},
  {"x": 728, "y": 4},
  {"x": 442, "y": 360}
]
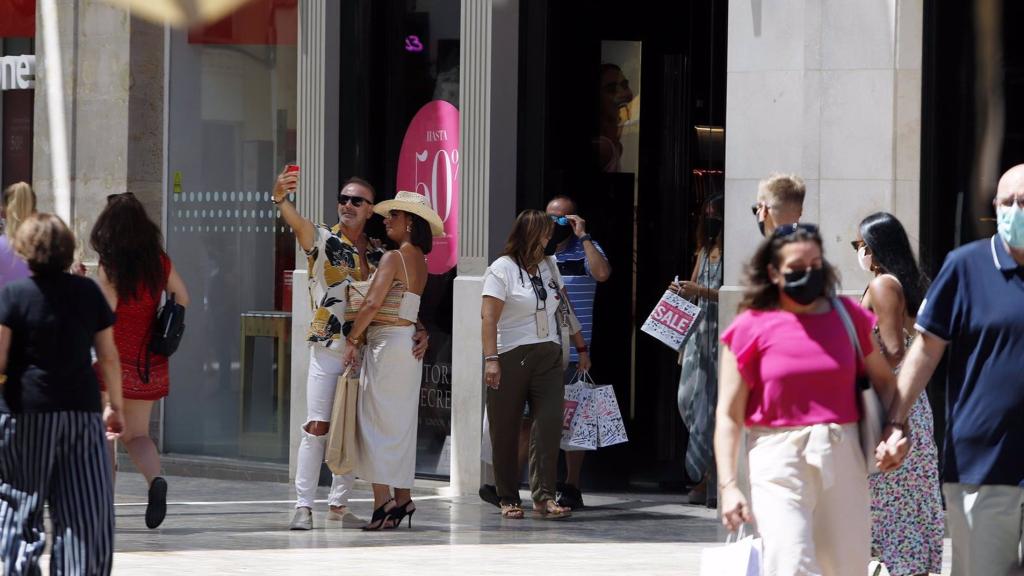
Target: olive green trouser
[{"x": 530, "y": 373}]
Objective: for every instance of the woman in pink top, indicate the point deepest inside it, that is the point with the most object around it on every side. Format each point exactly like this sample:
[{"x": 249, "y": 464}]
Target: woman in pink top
[{"x": 788, "y": 375}]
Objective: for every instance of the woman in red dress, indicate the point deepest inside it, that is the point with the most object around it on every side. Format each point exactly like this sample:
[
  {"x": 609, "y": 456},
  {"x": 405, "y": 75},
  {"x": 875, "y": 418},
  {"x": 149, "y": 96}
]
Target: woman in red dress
[{"x": 134, "y": 272}]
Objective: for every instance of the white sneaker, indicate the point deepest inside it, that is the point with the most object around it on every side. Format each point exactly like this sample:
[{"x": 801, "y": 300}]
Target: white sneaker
[{"x": 302, "y": 520}]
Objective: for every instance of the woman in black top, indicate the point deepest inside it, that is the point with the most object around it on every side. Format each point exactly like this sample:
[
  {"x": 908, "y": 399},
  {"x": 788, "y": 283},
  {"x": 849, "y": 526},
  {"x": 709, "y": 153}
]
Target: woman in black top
[{"x": 52, "y": 435}]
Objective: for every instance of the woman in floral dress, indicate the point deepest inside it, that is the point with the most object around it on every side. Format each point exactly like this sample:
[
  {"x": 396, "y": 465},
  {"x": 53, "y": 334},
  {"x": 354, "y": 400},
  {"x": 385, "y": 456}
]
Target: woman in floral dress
[{"x": 906, "y": 504}]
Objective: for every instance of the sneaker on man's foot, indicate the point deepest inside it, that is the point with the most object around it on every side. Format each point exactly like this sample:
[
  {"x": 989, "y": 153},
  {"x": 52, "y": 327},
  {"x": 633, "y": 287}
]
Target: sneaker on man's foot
[
  {"x": 302, "y": 520},
  {"x": 570, "y": 497},
  {"x": 156, "y": 508},
  {"x": 489, "y": 493}
]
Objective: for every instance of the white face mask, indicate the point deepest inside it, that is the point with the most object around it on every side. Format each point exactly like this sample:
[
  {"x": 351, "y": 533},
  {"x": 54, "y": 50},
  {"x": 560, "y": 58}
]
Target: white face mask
[{"x": 864, "y": 259}]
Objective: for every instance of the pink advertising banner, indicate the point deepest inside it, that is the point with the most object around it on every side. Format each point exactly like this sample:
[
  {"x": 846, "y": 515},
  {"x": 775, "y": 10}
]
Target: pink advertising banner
[{"x": 429, "y": 164}]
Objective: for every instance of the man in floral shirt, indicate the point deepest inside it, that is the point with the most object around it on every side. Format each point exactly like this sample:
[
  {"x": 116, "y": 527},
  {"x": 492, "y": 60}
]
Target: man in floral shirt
[{"x": 337, "y": 256}]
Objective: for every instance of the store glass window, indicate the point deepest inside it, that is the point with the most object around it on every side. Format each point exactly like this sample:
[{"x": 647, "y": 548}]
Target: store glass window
[{"x": 232, "y": 122}]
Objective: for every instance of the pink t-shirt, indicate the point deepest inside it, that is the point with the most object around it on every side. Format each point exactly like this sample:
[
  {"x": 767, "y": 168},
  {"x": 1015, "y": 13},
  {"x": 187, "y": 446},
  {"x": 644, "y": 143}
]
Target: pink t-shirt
[{"x": 800, "y": 368}]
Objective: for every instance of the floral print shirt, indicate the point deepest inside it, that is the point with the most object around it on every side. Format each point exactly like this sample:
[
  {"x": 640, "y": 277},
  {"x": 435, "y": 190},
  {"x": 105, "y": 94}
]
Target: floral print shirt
[{"x": 333, "y": 263}]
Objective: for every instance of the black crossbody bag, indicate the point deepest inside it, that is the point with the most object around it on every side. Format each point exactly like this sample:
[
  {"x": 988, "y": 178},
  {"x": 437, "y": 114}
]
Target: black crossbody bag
[{"x": 168, "y": 328}]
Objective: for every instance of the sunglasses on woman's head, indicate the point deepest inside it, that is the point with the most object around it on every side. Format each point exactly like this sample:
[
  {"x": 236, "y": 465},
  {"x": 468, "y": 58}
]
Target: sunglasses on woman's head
[
  {"x": 790, "y": 229},
  {"x": 356, "y": 201},
  {"x": 110, "y": 197}
]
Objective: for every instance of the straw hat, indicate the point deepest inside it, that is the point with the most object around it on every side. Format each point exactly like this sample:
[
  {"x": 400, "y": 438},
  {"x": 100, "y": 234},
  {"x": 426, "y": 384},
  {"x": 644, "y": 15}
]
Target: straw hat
[{"x": 412, "y": 203}]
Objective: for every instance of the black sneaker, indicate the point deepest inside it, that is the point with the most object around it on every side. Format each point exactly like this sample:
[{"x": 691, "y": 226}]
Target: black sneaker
[
  {"x": 488, "y": 493},
  {"x": 156, "y": 509},
  {"x": 570, "y": 497}
]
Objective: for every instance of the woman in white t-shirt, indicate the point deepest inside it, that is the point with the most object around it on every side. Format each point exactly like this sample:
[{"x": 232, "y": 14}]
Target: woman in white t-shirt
[{"x": 523, "y": 363}]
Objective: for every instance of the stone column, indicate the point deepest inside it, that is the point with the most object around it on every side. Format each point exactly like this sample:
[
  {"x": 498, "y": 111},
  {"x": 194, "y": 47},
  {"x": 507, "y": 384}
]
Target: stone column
[
  {"x": 318, "y": 94},
  {"x": 487, "y": 94},
  {"x": 113, "y": 92},
  {"x": 830, "y": 90}
]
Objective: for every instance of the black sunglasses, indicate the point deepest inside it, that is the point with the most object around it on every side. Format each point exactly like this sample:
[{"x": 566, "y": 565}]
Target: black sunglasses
[
  {"x": 356, "y": 201},
  {"x": 790, "y": 229},
  {"x": 858, "y": 244},
  {"x": 110, "y": 197},
  {"x": 538, "y": 288}
]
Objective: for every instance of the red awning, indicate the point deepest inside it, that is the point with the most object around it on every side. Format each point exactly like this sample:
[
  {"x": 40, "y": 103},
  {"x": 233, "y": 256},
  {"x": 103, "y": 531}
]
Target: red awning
[
  {"x": 261, "y": 22},
  {"x": 17, "y": 18}
]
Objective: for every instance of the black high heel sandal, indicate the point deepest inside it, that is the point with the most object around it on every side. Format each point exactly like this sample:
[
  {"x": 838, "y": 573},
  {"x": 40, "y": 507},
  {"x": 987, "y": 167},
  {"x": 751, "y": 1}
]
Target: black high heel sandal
[
  {"x": 398, "y": 513},
  {"x": 381, "y": 517}
]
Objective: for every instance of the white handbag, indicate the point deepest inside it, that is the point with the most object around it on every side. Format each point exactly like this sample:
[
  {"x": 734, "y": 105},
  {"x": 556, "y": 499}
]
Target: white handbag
[
  {"x": 568, "y": 324},
  {"x": 872, "y": 414}
]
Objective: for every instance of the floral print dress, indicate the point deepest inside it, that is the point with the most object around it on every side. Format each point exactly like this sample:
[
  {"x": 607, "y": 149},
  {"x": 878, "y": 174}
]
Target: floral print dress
[{"x": 906, "y": 504}]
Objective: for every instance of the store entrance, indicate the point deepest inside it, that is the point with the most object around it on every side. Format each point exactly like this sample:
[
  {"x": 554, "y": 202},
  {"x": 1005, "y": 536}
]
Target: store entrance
[{"x": 622, "y": 109}]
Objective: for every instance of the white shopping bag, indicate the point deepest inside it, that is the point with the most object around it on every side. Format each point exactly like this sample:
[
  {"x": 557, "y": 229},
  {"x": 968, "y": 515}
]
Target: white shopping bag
[
  {"x": 739, "y": 557},
  {"x": 579, "y": 419},
  {"x": 611, "y": 430},
  {"x": 672, "y": 320}
]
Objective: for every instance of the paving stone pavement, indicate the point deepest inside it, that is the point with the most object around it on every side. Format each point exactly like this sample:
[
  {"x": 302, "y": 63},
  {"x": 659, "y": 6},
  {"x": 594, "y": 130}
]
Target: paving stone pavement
[{"x": 228, "y": 527}]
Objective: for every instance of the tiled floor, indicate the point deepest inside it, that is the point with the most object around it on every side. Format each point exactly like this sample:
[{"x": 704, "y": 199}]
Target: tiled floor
[{"x": 221, "y": 527}]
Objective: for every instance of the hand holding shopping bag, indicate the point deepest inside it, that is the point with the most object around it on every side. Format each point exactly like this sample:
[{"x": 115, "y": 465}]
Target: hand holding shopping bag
[
  {"x": 579, "y": 419},
  {"x": 741, "y": 556}
]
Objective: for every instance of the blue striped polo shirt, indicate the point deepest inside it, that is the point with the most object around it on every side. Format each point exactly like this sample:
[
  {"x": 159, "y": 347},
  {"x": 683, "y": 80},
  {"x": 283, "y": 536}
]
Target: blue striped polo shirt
[{"x": 581, "y": 286}]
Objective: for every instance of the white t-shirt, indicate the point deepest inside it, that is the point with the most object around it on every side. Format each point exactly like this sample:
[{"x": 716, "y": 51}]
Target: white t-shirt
[{"x": 517, "y": 325}]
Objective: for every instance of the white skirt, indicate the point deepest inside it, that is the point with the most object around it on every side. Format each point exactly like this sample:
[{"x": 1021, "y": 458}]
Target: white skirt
[{"x": 388, "y": 407}]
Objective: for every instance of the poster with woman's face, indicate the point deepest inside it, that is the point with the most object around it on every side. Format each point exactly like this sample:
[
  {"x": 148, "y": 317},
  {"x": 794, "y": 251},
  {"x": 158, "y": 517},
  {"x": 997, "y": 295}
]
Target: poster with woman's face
[{"x": 618, "y": 141}]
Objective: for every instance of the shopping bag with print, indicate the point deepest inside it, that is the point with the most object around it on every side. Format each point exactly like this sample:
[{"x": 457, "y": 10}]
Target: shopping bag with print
[
  {"x": 341, "y": 454},
  {"x": 579, "y": 422},
  {"x": 611, "y": 430},
  {"x": 672, "y": 320},
  {"x": 738, "y": 557}
]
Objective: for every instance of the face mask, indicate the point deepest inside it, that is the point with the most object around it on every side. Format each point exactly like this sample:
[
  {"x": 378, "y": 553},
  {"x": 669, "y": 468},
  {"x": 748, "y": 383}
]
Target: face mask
[
  {"x": 712, "y": 227},
  {"x": 557, "y": 237},
  {"x": 864, "y": 259},
  {"x": 1011, "y": 225},
  {"x": 805, "y": 286}
]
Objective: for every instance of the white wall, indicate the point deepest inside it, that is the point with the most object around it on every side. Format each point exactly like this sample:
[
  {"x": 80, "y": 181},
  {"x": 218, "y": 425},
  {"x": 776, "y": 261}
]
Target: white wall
[{"x": 830, "y": 90}]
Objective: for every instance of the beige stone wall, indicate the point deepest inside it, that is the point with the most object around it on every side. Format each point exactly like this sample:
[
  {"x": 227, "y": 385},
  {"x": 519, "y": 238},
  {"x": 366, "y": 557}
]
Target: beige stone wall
[
  {"x": 113, "y": 73},
  {"x": 830, "y": 90}
]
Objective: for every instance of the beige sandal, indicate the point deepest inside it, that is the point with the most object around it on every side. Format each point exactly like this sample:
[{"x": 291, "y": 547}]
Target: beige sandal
[
  {"x": 551, "y": 511},
  {"x": 512, "y": 511}
]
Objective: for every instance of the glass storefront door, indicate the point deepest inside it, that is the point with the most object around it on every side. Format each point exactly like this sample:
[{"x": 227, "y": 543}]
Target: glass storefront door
[{"x": 232, "y": 119}]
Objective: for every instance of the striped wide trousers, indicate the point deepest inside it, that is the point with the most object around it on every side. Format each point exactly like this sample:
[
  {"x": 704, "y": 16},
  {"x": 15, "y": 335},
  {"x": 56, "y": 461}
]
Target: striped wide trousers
[{"x": 58, "y": 459}]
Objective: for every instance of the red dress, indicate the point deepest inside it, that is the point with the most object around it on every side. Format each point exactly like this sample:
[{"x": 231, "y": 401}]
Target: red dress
[{"x": 135, "y": 319}]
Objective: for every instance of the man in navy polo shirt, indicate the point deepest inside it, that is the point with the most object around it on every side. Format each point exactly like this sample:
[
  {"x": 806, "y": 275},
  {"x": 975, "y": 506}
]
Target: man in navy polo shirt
[
  {"x": 582, "y": 264},
  {"x": 976, "y": 307}
]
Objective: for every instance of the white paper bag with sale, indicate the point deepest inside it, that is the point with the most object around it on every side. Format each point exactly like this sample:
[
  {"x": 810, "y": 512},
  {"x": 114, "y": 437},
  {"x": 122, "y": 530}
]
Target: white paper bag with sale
[
  {"x": 579, "y": 420},
  {"x": 672, "y": 320}
]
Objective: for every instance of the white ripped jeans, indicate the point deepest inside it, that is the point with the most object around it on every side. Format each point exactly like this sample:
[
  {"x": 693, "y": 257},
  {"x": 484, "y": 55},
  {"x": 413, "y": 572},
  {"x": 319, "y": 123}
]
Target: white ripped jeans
[{"x": 325, "y": 366}]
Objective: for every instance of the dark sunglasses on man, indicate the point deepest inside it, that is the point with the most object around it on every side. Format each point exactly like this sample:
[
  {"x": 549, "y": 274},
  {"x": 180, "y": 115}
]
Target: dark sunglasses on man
[{"x": 356, "y": 201}]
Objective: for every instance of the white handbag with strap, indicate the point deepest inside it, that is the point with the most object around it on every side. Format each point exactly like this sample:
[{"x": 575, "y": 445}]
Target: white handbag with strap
[{"x": 568, "y": 324}]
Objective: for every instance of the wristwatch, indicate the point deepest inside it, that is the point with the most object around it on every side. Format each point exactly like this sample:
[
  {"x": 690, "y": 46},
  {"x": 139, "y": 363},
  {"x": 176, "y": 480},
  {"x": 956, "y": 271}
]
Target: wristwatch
[{"x": 585, "y": 238}]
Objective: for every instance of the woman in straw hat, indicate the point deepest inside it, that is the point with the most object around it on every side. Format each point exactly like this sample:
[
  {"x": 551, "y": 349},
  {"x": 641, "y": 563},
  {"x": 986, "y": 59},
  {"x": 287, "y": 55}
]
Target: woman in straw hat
[{"x": 390, "y": 381}]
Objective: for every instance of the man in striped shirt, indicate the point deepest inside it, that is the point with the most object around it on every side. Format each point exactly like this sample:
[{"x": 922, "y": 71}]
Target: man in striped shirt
[{"x": 582, "y": 264}]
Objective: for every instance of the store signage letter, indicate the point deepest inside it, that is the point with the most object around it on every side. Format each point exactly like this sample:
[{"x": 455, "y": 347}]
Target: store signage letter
[{"x": 17, "y": 72}]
